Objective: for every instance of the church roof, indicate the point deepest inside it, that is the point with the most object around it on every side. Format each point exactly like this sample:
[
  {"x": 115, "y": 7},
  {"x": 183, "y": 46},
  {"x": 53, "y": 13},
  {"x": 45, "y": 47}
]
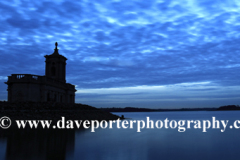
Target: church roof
[{"x": 55, "y": 54}]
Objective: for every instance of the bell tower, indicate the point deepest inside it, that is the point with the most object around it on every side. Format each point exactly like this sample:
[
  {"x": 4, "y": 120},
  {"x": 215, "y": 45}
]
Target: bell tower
[{"x": 56, "y": 65}]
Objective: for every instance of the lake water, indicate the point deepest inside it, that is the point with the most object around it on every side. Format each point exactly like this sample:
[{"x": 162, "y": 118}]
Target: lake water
[{"x": 128, "y": 144}]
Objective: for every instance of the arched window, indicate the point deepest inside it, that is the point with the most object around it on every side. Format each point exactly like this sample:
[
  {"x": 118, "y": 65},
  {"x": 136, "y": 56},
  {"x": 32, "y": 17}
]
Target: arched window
[
  {"x": 61, "y": 99},
  {"x": 71, "y": 98},
  {"x": 48, "y": 97},
  {"x": 53, "y": 69},
  {"x": 55, "y": 97}
]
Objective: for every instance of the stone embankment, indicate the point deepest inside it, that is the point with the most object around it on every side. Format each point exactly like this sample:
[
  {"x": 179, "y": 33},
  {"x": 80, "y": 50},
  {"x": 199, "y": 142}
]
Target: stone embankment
[{"x": 52, "y": 111}]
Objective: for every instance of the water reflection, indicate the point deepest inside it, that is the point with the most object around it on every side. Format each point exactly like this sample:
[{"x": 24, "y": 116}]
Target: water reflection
[
  {"x": 127, "y": 144},
  {"x": 38, "y": 144}
]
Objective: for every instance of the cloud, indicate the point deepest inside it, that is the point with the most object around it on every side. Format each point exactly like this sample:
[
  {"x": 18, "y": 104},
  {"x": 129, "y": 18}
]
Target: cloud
[
  {"x": 114, "y": 44},
  {"x": 170, "y": 96}
]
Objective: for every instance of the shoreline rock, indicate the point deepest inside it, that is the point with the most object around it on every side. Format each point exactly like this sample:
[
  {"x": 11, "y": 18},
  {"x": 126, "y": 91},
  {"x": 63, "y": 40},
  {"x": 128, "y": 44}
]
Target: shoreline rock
[{"x": 53, "y": 111}]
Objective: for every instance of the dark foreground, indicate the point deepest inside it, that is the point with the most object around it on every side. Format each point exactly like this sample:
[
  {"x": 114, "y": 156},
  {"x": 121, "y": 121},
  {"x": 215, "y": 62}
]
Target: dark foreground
[
  {"x": 44, "y": 143},
  {"x": 53, "y": 111}
]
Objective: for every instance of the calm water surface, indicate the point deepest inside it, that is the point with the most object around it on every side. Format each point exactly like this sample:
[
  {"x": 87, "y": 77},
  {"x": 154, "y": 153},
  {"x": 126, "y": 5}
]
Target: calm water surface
[{"x": 128, "y": 144}]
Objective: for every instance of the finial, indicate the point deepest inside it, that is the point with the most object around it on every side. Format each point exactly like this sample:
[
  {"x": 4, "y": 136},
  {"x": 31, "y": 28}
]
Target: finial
[{"x": 56, "y": 49}]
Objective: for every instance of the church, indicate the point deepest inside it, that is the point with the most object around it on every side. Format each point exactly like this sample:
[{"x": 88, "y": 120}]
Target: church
[{"x": 49, "y": 88}]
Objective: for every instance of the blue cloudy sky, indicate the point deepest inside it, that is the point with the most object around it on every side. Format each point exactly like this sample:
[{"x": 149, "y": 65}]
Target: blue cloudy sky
[{"x": 139, "y": 53}]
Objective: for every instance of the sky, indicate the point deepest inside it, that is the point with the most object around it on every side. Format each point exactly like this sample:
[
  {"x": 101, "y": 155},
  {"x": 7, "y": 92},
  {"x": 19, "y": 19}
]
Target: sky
[{"x": 137, "y": 53}]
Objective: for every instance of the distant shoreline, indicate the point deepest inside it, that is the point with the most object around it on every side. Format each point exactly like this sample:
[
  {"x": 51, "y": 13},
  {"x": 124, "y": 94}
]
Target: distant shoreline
[{"x": 135, "y": 109}]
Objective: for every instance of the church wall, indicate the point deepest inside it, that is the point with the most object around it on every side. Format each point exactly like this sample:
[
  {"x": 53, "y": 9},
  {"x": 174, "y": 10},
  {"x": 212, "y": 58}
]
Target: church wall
[
  {"x": 57, "y": 94},
  {"x": 21, "y": 92}
]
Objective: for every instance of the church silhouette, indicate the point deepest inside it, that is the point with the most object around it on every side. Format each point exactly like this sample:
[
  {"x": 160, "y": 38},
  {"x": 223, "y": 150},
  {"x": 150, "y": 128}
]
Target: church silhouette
[{"x": 49, "y": 88}]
